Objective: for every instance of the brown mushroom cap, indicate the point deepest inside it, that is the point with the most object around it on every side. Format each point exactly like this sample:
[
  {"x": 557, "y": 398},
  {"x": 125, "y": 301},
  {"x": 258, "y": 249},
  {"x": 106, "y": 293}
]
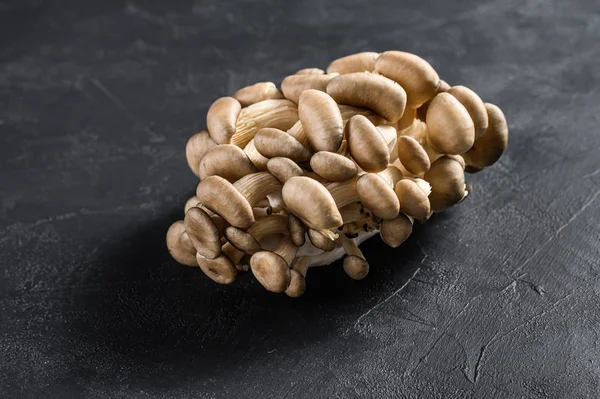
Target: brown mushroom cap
[
  {"x": 413, "y": 200},
  {"x": 320, "y": 241},
  {"x": 297, "y": 231},
  {"x": 332, "y": 166},
  {"x": 226, "y": 160},
  {"x": 297, "y": 285},
  {"x": 447, "y": 181},
  {"x": 197, "y": 146},
  {"x": 321, "y": 120},
  {"x": 257, "y": 92},
  {"x": 488, "y": 148},
  {"x": 450, "y": 129},
  {"x": 271, "y": 143},
  {"x": 413, "y": 156},
  {"x": 235, "y": 210},
  {"x": 356, "y": 267},
  {"x": 312, "y": 202},
  {"x": 310, "y": 71},
  {"x": 395, "y": 231},
  {"x": 271, "y": 271},
  {"x": 220, "y": 269},
  {"x": 474, "y": 106},
  {"x": 242, "y": 240},
  {"x": 180, "y": 249},
  {"x": 221, "y": 119},
  {"x": 284, "y": 168},
  {"x": 293, "y": 86},
  {"x": 366, "y": 144},
  {"x": 377, "y": 195},
  {"x": 382, "y": 95},
  {"x": 359, "y": 62},
  {"x": 412, "y": 72},
  {"x": 203, "y": 233},
  {"x": 443, "y": 87},
  {"x": 192, "y": 201}
]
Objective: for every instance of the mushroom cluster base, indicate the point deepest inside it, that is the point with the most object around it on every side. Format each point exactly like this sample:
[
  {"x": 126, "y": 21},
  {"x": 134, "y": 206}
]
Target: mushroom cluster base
[{"x": 299, "y": 176}]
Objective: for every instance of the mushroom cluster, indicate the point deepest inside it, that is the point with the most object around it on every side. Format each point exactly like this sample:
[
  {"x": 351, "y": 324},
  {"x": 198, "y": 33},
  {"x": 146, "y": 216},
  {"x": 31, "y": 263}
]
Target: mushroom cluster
[{"x": 298, "y": 177}]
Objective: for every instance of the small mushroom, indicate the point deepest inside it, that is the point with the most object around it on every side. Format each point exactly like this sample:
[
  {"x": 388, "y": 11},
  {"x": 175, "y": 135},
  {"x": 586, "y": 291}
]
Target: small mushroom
[
  {"x": 382, "y": 95},
  {"x": 488, "y": 148},
  {"x": 257, "y": 186},
  {"x": 179, "y": 245},
  {"x": 242, "y": 240},
  {"x": 321, "y": 120},
  {"x": 235, "y": 210},
  {"x": 390, "y": 135},
  {"x": 332, "y": 166},
  {"x": 310, "y": 71},
  {"x": 412, "y": 72},
  {"x": 257, "y": 92},
  {"x": 377, "y": 195},
  {"x": 413, "y": 200},
  {"x": 297, "y": 285},
  {"x": 221, "y": 270},
  {"x": 284, "y": 168},
  {"x": 366, "y": 144},
  {"x": 197, "y": 146},
  {"x": 343, "y": 193},
  {"x": 293, "y": 86},
  {"x": 257, "y": 159},
  {"x": 447, "y": 181},
  {"x": 355, "y": 264},
  {"x": 321, "y": 241},
  {"x": 360, "y": 62},
  {"x": 450, "y": 129},
  {"x": 413, "y": 156},
  {"x": 395, "y": 231},
  {"x": 297, "y": 230},
  {"x": 271, "y": 143},
  {"x": 272, "y": 269},
  {"x": 474, "y": 106},
  {"x": 262, "y": 211},
  {"x": 221, "y": 119},
  {"x": 203, "y": 233},
  {"x": 312, "y": 202},
  {"x": 191, "y": 202},
  {"x": 280, "y": 114},
  {"x": 226, "y": 160},
  {"x": 391, "y": 175}
]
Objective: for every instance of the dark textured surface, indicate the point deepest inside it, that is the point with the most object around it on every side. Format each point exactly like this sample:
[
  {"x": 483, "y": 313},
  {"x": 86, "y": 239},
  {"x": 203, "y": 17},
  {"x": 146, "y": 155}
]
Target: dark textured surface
[{"x": 496, "y": 298}]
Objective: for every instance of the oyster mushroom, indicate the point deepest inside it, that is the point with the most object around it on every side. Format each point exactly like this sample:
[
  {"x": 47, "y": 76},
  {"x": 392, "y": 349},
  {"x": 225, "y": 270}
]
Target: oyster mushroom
[
  {"x": 310, "y": 71},
  {"x": 395, "y": 231},
  {"x": 271, "y": 143},
  {"x": 297, "y": 230},
  {"x": 203, "y": 233},
  {"x": 257, "y": 92},
  {"x": 366, "y": 144},
  {"x": 360, "y": 62},
  {"x": 258, "y": 160},
  {"x": 413, "y": 156},
  {"x": 378, "y": 196},
  {"x": 321, "y": 241},
  {"x": 321, "y": 120},
  {"x": 332, "y": 166},
  {"x": 355, "y": 264},
  {"x": 280, "y": 114},
  {"x": 447, "y": 181},
  {"x": 272, "y": 269},
  {"x": 474, "y": 106},
  {"x": 297, "y": 285},
  {"x": 488, "y": 148},
  {"x": 450, "y": 129},
  {"x": 179, "y": 245},
  {"x": 283, "y": 168},
  {"x": 237, "y": 211},
  {"x": 293, "y": 86},
  {"x": 221, "y": 119},
  {"x": 226, "y": 160},
  {"x": 309, "y": 200},
  {"x": 414, "y": 200},
  {"x": 220, "y": 269},
  {"x": 195, "y": 149}
]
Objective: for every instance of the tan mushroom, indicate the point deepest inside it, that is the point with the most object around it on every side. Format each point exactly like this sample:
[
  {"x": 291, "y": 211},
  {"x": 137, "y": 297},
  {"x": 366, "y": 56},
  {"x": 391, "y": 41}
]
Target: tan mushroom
[
  {"x": 355, "y": 264},
  {"x": 242, "y": 240},
  {"x": 321, "y": 241},
  {"x": 257, "y": 92},
  {"x": 391, "y": 175},
  {"x": 414, "y": 200},
  {"x": 382, "y": 95},
  {"x": 412, "y": 72},
  {"x": 280, "y": 114},
  {"x": 407, "y": 119},
  {"x": 321, "y": 120},
  {"x": 271, "y": 143},
  {"x": 197, "y": 146},
  {"x": 395, "y": 231},
  {"x": 378, "y": 196},
  {"x": 191, "y": 202},
  {"x": 293, "y": 86},
  {"x": 221, "y": 119},
  {"x": 390, "y": 135},
  {"x": 310, "y": 201},
  {"x": 352, "y": 212},
  {"x": 221, "y": 270},
  {"x": 360, "y": 62},
  {"x": 474, "y": 106},
  {"x": 284, "y": 168},
  {"x": 257, "y": 159},
  {"x": 366, "y": 144},
  {"x": 450, "y": 129},
  {"x": 232, "y": 253},
  {"x": 179, "y": 245},
  {"x": 348, "y": 111},
  {"x": 310, "y": 71},
  {"x": 447, "y": 181},
  {"x": 272, "y": 269},
  {"x": 488, "y": 148},
  {"x": 443, "y": 87},
  {"x": 269, "y": 225},
  {"x": 257, "y": 186},
  {"x": 297, "y": 230},
  {"x": 297, "y": 285},
  {"x": 332, "y": 166},
  {"x": 413, "y": 156},
  {"x": 235, "y": 209},
  {"x": 343, "y": 193},
  {"x": 203, "y": 233},
  {"x": 226, "y": 160}
]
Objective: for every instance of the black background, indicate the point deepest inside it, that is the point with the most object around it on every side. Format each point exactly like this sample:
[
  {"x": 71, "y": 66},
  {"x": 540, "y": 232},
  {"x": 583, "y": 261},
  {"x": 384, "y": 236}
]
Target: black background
[{"x": 497, "y": 297}]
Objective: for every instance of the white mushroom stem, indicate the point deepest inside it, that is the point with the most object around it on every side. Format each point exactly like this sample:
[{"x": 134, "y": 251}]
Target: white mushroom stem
[
  {"x": 255, "y": 157},
  {"x": 350, "y": 247},
  {"x": 276, "y": 202},
  {"x": 319, "y": 258},
  {"x": 286, "y": 249},
  {"x": 301, "y": 265},
  {"x": 234, "y": 254}
]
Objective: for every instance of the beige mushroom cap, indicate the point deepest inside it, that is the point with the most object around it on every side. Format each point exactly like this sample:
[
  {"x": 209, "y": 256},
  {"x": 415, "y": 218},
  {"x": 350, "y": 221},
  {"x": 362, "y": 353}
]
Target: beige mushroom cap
[
  {"x": 242, "y": 240},
  {"x": 203, "y": 233},
  {"x": 297, "y": 285},
  {"x": 360, "y": 62},
  {"x": 179, "y": 244},
  {"x": 413, "y": 200},
  {"x": 332, "y": 166},
  {"x": 226, "y": 160},
  {"x": 297, "y": 230},
  {"x": 235, "y": 210},
  {"x": 382, "y": 95},
  {"x": 356, "y": 267},
  {"x": 378, "y": 196},
  {"x": 293, "y": 86},
  {"x": 271, "y": 271},
  {"x": 222, "y": 118},
  {"x": 321, "y": 120},
  {"x": 271, "y": 143},
  {"x": 320, "y": 241},
  {"x": 395, "y": 231},
  {"x": 450, "y": 129},
  {"x": 413, "y": 156},
  {"x": 221, "y": 270},
  {"x": 310, "y": 71},
  {"x": 257, "y": 92},
  {"x": 312, "y": 202},
  {"x": 191, "y": 202},
  {"x": 488, "y": 148},
  {"x": 197, "y": 146},
  {"x": 366, "y": 144},
  {"x": 474, "y": 106},
  {"x": 447, "y": 181},
  {"x": 283, "y": 168}
]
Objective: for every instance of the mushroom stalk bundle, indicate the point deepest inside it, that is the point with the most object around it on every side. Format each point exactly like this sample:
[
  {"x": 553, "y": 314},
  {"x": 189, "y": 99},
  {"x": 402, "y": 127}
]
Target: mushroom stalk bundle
[{"x": 300, "y": 176}]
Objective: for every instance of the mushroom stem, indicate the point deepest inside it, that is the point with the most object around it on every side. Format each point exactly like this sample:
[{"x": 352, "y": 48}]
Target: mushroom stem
[
  {"x": 355, "y": 264},
  {"x": 297, "y": 285},
  {"x": 344, "y": 192},
  {"x": 286, "y": 249},
  {"x": 391, "y": 175},
  {"x": 280, "y": 114},
  {"x": 297, "y": 230},
  {"x": 320, "y": 240},
  {"x": 261, "y": 212},
  {"x": 259, "y": 161},
  {"x": 352, "y": 212},
  {"x": 276, "y": 202},
  {"x": 301, "y": 265},
  {"x": 269, "y": 225},
  {"x": 234, "y": 254},
  {"x": 256, "y": 186}
]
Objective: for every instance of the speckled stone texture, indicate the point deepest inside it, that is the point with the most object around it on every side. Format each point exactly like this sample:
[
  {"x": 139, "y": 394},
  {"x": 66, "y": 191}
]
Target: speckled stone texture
[{"x": 497, "y": 297}]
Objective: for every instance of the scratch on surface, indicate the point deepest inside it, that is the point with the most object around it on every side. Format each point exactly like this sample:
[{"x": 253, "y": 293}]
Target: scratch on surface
[
  {"x": 591, "y": 174},
  {"x": 482, "y": 353}
]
